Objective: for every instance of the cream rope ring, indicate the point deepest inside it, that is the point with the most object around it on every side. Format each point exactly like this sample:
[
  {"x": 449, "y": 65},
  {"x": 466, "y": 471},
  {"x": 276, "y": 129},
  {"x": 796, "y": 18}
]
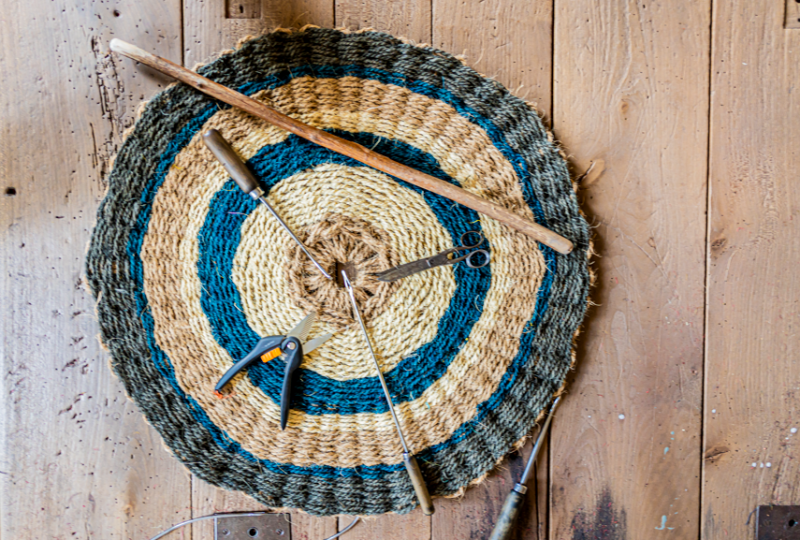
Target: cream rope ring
[{"x": 189, "y": 273}]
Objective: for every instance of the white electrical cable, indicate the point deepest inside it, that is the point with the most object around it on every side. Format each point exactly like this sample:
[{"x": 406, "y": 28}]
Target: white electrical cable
[
  {"x": 240, "y": 514},
  {"x": 212, "y": 516},
  {"x": 340, "y": 533}
]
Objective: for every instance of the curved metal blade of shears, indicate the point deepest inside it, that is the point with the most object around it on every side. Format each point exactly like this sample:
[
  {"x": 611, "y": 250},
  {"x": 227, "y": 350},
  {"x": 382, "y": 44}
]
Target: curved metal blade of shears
[
  {"x": 303, "y": 327},
  {"x": 316, "y": 342},
  {"x": 404, "y": 270}
]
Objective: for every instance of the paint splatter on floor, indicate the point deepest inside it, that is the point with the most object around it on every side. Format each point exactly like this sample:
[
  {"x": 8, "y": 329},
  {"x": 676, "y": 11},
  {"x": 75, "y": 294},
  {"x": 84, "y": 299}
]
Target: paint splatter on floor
[
  {"x": 605, "y": 523},
  {"x": 664, "y": 525}
]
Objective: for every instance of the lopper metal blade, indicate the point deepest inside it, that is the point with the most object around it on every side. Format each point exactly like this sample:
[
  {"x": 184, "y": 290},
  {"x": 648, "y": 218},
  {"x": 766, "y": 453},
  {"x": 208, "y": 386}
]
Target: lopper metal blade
[
  {"x": 316, "y": 342},
  {"x": 303, "y": 327}
]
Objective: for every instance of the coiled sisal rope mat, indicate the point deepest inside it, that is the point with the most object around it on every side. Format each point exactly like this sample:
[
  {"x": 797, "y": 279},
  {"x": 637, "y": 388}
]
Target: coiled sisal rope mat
[{"x": 189, "y": 273}]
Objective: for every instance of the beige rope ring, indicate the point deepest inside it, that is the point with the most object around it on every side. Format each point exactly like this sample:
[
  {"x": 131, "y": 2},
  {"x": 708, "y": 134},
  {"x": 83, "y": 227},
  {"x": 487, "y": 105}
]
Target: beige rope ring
[{"x": 189, "y": 273}]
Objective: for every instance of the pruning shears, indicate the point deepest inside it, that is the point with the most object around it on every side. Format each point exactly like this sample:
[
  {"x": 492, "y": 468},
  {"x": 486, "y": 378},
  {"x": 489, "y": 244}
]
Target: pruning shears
[
  {"x": 474, "y": 259},
  {"x": 291, "y": 347}
]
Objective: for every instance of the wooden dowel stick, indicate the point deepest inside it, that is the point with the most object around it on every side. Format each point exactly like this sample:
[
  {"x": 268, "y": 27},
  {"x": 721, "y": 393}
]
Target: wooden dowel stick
[{"x": 344, "y": 147}]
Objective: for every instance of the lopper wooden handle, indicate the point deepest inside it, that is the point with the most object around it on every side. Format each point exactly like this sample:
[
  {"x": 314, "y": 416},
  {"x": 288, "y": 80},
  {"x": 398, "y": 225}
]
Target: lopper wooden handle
[{"x": 345, "y": 147}]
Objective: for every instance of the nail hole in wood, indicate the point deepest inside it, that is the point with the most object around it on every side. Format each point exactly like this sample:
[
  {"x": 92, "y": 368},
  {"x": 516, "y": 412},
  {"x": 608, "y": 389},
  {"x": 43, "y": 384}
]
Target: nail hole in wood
[
  {"x": 10, "y": 191},
  {"x": 243, "y": 9}
]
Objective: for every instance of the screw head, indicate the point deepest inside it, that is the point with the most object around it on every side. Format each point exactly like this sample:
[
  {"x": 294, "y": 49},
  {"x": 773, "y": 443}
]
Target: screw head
[{"x": 291, "y": 346}]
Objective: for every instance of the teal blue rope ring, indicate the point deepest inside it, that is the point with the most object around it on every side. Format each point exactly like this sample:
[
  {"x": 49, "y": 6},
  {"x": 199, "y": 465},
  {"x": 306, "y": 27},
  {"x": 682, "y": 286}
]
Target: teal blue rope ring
[{"x": 189, "y": 273}]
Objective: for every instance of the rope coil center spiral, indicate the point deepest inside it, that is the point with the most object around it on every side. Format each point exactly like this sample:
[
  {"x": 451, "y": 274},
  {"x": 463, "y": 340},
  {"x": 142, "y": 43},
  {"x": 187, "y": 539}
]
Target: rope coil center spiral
[{"x": 338, "y": 240}]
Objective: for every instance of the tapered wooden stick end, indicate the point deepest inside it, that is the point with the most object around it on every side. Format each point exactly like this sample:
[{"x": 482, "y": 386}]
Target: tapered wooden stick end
[
  {"x": 126, "y": 49},
  {"x": 560, "y": 244},
  {"x": 117, "y": 45}
]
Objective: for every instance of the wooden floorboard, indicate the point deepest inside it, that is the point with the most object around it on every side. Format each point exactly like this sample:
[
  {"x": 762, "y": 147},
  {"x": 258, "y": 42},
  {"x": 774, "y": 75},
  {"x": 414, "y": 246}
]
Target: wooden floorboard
[
  {"x": 631, "y": 88},
  {"x": 210, "y": 28},
  {"x": 752, "y": 401},
  {"x": 409, "y": 19},
  {"x": 512, "y": 43},
  {"x": 77, "y": 458}
]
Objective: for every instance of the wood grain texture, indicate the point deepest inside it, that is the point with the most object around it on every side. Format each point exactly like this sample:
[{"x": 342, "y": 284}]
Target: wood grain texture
[
  {"x": 511, "y": 42},
  {"x": 208, "y": 28},
  {"x": 753, "y": 354},
  {"x": 243, "y": 9},
  {"x": 410, "y": 19},
  {"x": 631, "y": 88},
  {"x": 77, "y": 458},
  {"x": 792, "y": 15},
  {"x": 413, "y": 526}
]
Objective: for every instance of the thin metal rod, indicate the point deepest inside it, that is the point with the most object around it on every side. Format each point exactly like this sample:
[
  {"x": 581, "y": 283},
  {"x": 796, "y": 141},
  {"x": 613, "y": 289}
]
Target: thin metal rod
[
  {"x": 246, "y": 180},
  {"x": 349, "y": 287},
  {"x": 272, "y": 211},
  {"x": 538, "y": 446}
]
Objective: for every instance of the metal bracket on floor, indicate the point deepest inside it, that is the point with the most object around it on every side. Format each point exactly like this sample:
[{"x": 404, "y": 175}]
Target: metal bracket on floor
[
  {"x": 778, "y": 523},
  {"x": 263, "y": 527}
]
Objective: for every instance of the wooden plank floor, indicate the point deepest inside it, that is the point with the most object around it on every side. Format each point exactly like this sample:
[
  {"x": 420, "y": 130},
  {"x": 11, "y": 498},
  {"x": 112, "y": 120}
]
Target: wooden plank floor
[{"x": 683, "y": 412}]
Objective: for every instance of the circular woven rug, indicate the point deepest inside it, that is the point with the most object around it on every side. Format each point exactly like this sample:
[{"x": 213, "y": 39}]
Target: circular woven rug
[{"x": 189, "y": 273}]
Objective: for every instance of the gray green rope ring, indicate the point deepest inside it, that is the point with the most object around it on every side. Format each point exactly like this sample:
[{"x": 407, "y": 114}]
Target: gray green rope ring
[{"x": 189, "y": 273}]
